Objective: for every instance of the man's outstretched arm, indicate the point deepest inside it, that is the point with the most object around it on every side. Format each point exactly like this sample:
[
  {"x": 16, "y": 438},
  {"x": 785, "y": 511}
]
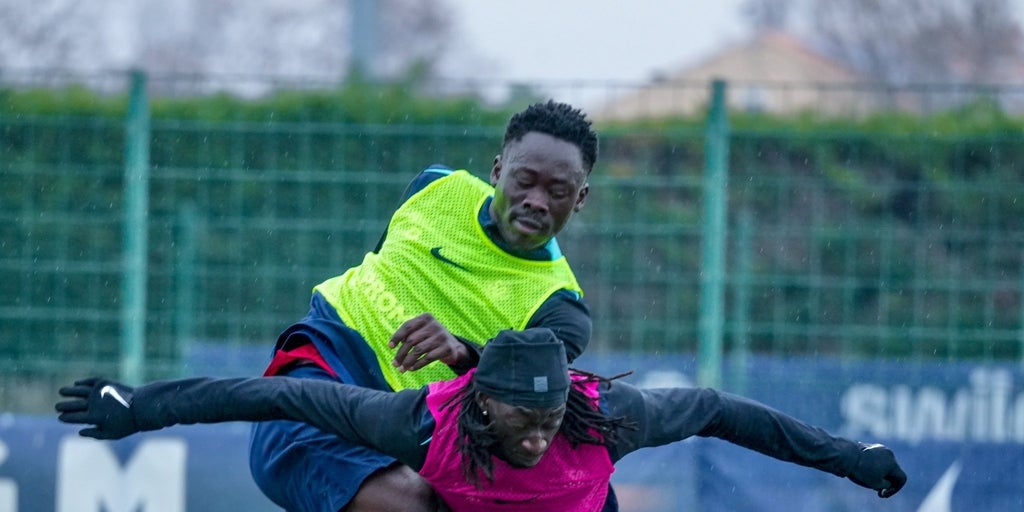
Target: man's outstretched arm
[
  {"x": 668, "y": 415},
  {"x": 387, "y": 422}
]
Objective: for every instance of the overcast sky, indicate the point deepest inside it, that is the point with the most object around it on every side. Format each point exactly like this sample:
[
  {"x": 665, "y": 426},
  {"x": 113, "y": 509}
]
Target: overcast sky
[
  {"x": 597, "y": 40},
  {"x": 593, "y": 40}
]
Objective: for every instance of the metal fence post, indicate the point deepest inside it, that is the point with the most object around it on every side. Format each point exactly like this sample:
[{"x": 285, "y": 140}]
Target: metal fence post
[
  {"x": 185, "y": 308},
  {"x": 136, "y": 207},
  {"x": 740, "y": 321},
  {"x": 712, "y": 272},
  {"x": 363, "y": 37}
]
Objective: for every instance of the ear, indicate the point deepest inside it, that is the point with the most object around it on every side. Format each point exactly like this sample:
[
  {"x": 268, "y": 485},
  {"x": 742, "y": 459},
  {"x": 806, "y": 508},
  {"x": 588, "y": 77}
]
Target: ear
[
  {"x": 581, "y": 198},
  {"x": 496, "y": 170},
  {"x": 481, "y": 400}
]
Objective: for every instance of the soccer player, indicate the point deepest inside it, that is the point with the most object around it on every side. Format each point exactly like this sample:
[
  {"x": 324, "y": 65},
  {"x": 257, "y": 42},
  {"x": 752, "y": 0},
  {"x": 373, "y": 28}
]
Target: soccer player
[
  {"x": 461, "y": 259},
  {"x": 519, "y": 432}
]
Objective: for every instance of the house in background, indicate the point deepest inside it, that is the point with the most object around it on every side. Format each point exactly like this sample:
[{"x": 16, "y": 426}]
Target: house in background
[{"x": 773, "y": 72}]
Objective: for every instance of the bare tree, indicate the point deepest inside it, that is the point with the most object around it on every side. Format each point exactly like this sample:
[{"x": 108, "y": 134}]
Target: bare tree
[
  {"x": 216, "y": 37},
  {"x": 38, "y": 34},
  {"x": 270, "y": 37},
  {"x": 767, "y": 14},
  {"x": 425, "y": 27},
  {"x": 905, "y": 41},
  {"x": 920, "y": 40}
]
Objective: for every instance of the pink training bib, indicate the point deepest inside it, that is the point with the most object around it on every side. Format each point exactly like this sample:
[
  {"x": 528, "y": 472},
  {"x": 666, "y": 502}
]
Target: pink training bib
[{"x": 565, "y": 479}]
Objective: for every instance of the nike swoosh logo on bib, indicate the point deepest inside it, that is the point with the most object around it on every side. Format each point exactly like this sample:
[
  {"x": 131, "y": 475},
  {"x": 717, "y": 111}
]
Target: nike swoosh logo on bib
[{"x": 436, "y": 251}]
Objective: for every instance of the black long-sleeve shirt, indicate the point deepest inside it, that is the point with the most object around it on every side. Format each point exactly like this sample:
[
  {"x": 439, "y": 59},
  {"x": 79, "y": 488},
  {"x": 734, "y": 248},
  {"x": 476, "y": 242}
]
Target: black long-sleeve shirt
[{"x": 358, "y": 414}]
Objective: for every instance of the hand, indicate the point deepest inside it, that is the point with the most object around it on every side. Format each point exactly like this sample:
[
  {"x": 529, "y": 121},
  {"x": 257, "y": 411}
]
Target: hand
[
  {"x": 423, "y": 340},
  {"x": 877, "y": 469},
  {"x": 105, "y": 405}
]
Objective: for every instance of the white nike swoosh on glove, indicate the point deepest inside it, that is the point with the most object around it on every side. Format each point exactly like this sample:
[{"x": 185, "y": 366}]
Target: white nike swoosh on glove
[{"x": 112, "y": 391}]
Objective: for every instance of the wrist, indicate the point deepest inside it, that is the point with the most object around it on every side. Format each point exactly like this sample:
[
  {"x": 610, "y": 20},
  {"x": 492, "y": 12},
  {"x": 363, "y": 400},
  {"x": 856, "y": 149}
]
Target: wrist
[
  {"x": 466, "y": 356},
  {"x": 461, "y": 356}
]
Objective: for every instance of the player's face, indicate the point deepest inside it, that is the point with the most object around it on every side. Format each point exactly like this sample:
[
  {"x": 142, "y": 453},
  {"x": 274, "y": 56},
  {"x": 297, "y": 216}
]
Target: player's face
[
  {"x": 524, "y": 433},
  {"x": 539, "y": 182}
]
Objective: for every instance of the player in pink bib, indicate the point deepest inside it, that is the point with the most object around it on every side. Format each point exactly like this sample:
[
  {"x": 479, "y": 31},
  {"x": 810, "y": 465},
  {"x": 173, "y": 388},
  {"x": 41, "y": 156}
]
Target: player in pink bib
[
  {"x": 520, "y": 432},
  {"x": 568, "y": 476}
]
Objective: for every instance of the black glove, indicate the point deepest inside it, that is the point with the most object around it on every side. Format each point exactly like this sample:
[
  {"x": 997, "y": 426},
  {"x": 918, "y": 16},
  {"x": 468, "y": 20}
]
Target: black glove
[
  {"x": 877, "y": 469},
  {"x": 102, "y": 403}
]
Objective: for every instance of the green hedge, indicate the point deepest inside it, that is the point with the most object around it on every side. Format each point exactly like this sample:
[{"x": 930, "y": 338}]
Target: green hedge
[{"x": 950, "y": 176}]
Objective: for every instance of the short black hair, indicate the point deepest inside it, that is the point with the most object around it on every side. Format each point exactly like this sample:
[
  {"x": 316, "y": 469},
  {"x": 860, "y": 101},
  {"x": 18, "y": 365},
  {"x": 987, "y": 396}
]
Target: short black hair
[{"x": 558, "y": 120}]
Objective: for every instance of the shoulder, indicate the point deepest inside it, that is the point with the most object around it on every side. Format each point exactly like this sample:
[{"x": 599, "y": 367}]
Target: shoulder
[
  {"x": 428, "y": 176},
  {"x": 437, "y": 172}
]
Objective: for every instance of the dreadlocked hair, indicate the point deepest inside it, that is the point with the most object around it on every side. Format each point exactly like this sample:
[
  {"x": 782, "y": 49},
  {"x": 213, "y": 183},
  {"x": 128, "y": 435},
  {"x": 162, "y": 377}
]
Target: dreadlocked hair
[
  {"x": 476, "y": 436},
  {"x": 558, "y": 120},
  {"x": 583, "y": 423}
]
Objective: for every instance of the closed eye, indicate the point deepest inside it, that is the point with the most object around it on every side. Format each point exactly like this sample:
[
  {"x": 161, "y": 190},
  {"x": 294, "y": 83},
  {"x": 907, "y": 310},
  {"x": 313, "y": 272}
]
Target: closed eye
[{"x": 560, "y": 193}]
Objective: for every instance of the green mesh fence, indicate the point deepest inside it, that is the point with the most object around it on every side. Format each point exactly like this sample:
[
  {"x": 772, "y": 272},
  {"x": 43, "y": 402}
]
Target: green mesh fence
[
  {"x": 847, "y": 251},
  {"x": 870, "y": 258}
]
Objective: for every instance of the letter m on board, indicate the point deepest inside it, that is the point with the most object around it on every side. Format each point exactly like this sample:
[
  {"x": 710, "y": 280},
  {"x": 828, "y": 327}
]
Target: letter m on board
[{"x": 91, "y": 479}]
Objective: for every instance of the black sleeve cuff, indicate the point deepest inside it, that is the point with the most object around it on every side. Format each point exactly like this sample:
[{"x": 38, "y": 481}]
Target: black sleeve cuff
[{"x": 461, "y": 367}]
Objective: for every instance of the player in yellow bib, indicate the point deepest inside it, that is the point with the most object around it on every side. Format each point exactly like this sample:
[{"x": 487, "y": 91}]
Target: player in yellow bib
[{"x": 461, "y": 260}]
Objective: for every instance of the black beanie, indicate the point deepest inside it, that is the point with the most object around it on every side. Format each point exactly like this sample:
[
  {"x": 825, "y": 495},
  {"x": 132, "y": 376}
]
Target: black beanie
[{"x": 525, "y": 368}]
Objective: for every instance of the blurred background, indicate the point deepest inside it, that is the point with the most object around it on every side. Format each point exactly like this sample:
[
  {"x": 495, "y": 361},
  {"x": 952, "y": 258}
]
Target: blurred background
[{"x": 813, "y": 203}]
